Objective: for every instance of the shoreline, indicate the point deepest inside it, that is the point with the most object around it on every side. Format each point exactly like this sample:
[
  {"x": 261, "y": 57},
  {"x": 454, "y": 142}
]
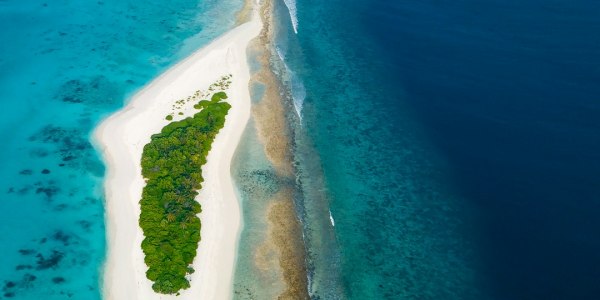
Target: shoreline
[
  {"x": 279, "y": 256},
  {"x": 120, "y": 139}
]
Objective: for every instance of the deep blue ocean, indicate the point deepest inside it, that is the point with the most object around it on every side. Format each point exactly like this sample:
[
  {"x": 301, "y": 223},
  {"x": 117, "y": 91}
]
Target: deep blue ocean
[
  {"x": 63, "y": 66},
  {"x": 459, "y": 147}
]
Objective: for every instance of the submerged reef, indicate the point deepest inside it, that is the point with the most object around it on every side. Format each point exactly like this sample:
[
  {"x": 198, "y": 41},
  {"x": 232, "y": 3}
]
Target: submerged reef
[{"x": 274, "y": 265}]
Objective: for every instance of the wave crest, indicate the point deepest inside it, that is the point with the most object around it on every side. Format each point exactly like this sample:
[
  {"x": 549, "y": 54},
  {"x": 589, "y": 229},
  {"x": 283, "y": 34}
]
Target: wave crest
[
  {"x": 291, "y": 6},
  {"x": 296, "y": 85}
]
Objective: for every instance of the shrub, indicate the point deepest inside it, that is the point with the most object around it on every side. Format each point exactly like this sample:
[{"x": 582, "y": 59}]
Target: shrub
[{"x": 218, "y": 97}]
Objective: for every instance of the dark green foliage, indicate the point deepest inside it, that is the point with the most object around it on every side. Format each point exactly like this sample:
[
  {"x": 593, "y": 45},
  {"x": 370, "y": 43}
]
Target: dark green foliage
[
  {"x": 169, "y": 117},
  {"x": 171, "y": 164},
  {"x": 203, "y": 104},
  {"x": 218, "y": 97}
]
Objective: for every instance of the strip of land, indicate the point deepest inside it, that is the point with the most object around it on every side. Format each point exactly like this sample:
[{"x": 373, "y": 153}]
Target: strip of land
[{"x": 121, "y": 139}]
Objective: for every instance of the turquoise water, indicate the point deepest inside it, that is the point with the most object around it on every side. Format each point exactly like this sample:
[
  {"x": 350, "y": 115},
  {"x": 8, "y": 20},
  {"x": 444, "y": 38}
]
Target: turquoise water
[{"x": 63, "y": 66}]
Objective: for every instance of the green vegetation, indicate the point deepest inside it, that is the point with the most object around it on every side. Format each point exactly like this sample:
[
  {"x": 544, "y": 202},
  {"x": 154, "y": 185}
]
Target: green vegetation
[
  {"x": 220, "y": 85},
  {"x": 169, "y": 117},
  {"x": 202, "y": 104},
  {"x": 218, "y": 97},
  {"x": 171, "y": 164},
  {"x": 223, "y": 83}
]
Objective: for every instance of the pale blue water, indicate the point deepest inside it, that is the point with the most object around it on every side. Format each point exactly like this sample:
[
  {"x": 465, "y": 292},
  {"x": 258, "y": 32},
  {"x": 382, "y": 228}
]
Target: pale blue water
[
  {"x": 63, "y": 66},
  {"x": 257, "y": 183}
]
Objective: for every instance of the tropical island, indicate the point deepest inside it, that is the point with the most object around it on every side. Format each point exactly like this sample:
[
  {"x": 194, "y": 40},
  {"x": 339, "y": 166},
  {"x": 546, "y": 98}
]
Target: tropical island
[{"x": 161, "y": 172}]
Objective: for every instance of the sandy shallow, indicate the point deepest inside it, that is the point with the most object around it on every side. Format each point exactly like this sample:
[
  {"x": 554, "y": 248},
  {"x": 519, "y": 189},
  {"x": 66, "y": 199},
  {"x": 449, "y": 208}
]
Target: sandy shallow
[{"x": 121, "y": 138}]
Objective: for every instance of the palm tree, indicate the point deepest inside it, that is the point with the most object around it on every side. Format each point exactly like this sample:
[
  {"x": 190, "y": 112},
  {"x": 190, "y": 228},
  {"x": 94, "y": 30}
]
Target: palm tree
[{"x": 170, "y": 217}]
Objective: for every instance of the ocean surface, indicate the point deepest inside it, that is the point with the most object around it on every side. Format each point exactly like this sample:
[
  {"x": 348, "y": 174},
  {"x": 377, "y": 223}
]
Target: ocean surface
[
  {"x": 446, "y": 149},
  {"x": 63, "y": 66},
  {"x": 443, "y": 149}
]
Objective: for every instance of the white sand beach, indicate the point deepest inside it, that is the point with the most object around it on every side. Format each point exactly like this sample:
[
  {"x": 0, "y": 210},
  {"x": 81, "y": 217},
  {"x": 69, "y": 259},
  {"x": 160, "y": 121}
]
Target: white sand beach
[{"x": 121, "y": 138}]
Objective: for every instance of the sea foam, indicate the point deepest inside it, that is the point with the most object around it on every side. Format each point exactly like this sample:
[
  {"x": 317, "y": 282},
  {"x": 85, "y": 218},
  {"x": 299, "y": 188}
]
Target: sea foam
[
  {"x": 298, "y": 90},
  {"x": 331, "y": 219},
  {"x": 291, "y": 5}
]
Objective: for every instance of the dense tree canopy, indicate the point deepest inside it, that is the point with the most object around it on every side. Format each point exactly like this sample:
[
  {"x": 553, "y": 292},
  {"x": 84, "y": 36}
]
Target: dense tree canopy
[{"x": 172, "y": 166}]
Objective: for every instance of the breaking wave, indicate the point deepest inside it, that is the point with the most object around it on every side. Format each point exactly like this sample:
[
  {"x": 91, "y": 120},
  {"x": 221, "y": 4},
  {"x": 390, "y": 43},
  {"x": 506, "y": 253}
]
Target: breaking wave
[{"x": 291, "y": 6}]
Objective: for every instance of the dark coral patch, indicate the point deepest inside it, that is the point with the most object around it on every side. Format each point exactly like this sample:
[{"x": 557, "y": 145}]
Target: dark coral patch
[
  {"x": 85, "y": 225},
  {"x": 39, "y": 152},
  {"x": 23, "y": 267},
  {"x": 60, "y": 207},
  {"x": 69, "y": 143},
  {"x": 72, "y": 90},
  {"x": 27, "y": 278},
  {"x": 27, "y": 251},
  {"x": 45, "y": 171},
  {"x": 58, "y": 280},
  {"x": 71, "y": 99},
  {"x": 24, "y": 190},
  {"x": 48, "y": 191},
  {"x": 68, "y": 158},
  {"x": 93, "y": 91},
  {"x": 26, "y": 172},
  {"x": 90, "y": 200},
  {"x": 49, "y": 134},
  {"x": 61, "y": 237},
  {"x": 50, "y": 262}
]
